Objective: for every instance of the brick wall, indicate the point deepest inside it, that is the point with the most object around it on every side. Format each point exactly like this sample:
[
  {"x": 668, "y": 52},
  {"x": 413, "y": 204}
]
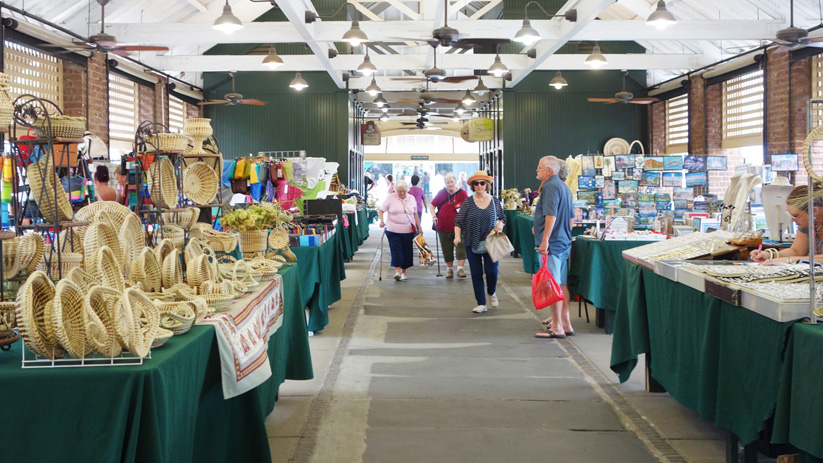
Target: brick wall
[
  {"x": 74, "y": 89},
  {"x": 776, "y": 112},
  {"x": 161, "y": 101},
  {"x": 657, "y": 127},
  {"x": 98, "y": 104},
  {"x": 193, "y": 111},
  {"x": 145, "y": 104}
]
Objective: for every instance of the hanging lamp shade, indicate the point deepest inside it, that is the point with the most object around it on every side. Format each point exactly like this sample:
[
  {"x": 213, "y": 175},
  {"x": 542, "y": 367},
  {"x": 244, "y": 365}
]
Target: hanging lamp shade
[
  {"x": 384, "y": 117},
  {"x": 460, "y": 109},
  {"x": 380, "y": 101},
  {"x": 367, "y": 68},
  {"x": 498, "y": 69},
  {"x": 596, "y": 58},
  {"x": 558, "y": 82},
  {"x": 661, "y": 18},
  {"x": 355, "y": 36},
  {"x": 527, "y": 35},
  {"x": 227, "y": 22},
  {"x": 298, "y": 83},
  {"x": 468, "y": 99},
  {"x": 481, "y": 88},
  {"x": 385, "y": 108},
  {"x": 373, "y": 89},
  {"x": 272, "y": 59}
]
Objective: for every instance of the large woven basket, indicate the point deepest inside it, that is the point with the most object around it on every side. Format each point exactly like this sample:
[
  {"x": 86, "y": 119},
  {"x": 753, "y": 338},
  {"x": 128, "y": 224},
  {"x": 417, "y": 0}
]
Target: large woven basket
[
  {"x": 137, "y": 321},
  {"x": 11, "y": 263},
  {"x": 117, "y": 212},
  {"x": 176, "y": 316},
  {"x": 172, "y": 272},
  {"x": 100, "y": 234},
  {"x": 163, "y": 183},
  {"x": 146, "y": 270},
  {"x": 109, "y": 269},
  {"x": 7, "y": 318},
  {"x": 174, "y": 234},
  {"x": 252, "y": 241},
  {"x": 63, "y": 126},
  {"x": 33, "y": 300},
  {"x": 41, "y": 180},
  {"x": 200, "y": 183},
  {"x": 69, "y": 319},
  {"x": 67, "y": 261},
  {"x": 132, "y": 238},
  {"x": 170, "y": 142},
  {"x": 220, "y": 241},
  {"x": 199, "y": 270},
  {"x": 278, "y": 238}
]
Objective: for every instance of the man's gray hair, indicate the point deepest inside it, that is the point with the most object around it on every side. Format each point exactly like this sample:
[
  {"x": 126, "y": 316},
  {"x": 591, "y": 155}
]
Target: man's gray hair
[
  {"x": 451, "y": 176},
  {"x": 551, "y": 161},
  {"x": 563, "y": 171}
]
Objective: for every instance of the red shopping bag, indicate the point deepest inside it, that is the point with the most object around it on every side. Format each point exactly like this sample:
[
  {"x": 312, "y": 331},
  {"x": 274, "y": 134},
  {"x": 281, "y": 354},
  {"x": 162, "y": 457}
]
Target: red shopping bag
[{"x": 545, "y": 291}]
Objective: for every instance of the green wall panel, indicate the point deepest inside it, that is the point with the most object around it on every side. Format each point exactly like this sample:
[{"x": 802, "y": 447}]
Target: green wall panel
[{"x": 541, "y": 121}]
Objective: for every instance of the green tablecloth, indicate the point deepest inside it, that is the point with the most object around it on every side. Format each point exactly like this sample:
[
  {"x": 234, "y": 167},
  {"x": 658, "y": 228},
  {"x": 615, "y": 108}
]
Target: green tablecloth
[
  {"x": 363, "y": 224},
  {"x": 595, "y": 270},
  {"x": 352, "y": 234},
  {"x": 717, "y": 359},
  {"x": 372, "y": 214},
  {"x": 170, "y": 409},
  {"x": 525, "y": 234},
  {"x": 798, "y": 417},
  {"x": 321, "y": 271},
  {"x": 511, "y": 228}
]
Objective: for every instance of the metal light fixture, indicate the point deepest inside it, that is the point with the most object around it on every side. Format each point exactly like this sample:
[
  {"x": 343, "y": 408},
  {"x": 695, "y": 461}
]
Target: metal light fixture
[
  {"x": 355, "y": 36},
  {"x": 460, "y": 109},
  {"x": 468, "y": 99},
  {"x": 272, "y": 60},
  {"x": 481, "y": 88},
  {"x": 527, "y": 34},
  {"x": 385, "y": 108},
  {"x": 227, "y": 22},
  {"x": 373, "y": 89},
  {"x": 661, "y": 18},
  {"x": 498, "y": 69},
  {"x": 456, "y": 118},
  {"x": 298, "y": 83},
  {"x": 384, "y": 117},
  {"x": 596, "y": 58},
  {"x": 367, "y": 68},
  {"x": 380, "y": 101},
  {"x": 558, "y": 82}
]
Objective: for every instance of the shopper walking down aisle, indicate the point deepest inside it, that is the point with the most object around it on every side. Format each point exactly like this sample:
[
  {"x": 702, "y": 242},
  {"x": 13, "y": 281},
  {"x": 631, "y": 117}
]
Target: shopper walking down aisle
[
  {"x": 553, "y": 236},
  {"x": 478, "y": 215},
  {"x": 390, "y": 179},
  {"x": 447, "y": 202},
  {"x": 401, "y": 225},
  {"x": 419, "y": 196}
]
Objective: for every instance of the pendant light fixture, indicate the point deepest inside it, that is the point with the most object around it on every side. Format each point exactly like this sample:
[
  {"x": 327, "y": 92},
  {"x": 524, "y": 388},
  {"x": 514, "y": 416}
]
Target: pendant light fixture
[
  {"x": 380, "y": 101},
  {"x": 498, "y": 69},
  {"x": 468, "y": 99},
  {"x": 460, "y": 109},
  {"x": 661, "y": 18},
  {"x": 355, "y": 36},
  {"x": 558, "y": 82},
  {"x": 227, "y": 22},
  {"x": 384, "y": 117},
  {"x": 481, "y": 88},
  {"x": 367, "y": 68},
  {"x": 373, "y": 89},
  {"x": 527, "y": 35},
  {"x": 298, "y": 83},
  {"x": 596, "y": 58},
  {"x": 385, "y": 108},
  {"x": 272, "y": 60},
  {"x": 456, "y": 117}
]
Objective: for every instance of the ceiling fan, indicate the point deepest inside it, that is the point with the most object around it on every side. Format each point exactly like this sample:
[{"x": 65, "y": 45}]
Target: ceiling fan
[
  {"x": 435, "y": 74},
  {"x": 792, "y": 37},
  {"x": 624, "y": 96},
  {"x": 233, "y": 98},
  {"x": 450, "y": 37},
  {"x": 107, "y": 43}
]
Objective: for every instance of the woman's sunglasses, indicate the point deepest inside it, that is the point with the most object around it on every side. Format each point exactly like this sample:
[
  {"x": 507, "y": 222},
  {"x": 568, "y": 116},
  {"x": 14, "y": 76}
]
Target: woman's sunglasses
[{"x": 481, "y": 182}]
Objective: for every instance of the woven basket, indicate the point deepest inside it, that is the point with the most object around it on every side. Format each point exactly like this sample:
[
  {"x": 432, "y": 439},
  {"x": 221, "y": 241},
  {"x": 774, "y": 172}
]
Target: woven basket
[
  {"x": 137, "y": 321},
  {"x": 193, "y": 249},
  {"x": 183, "y": 218},
  {"x": 175, "y": 234},
  {"x": 109, "y": 269},
  {"x": 11, "y": 264},
  {"x": 82, "y": 278},
  {"x": 69, "y": 319},
  {"x": 100, "y": 234},
  {"x": 187, "y": 294},
  {"x": 278, "y": 238},
  {"x": 132, "y": 238},
  {"x": 163, "y": 249},
  {"x": 200, "y": 183},
  {"x": 162, "y": 337},
  {"x": 32, "y": 303},
  {"x": 220, "y": 241},
  {"x": 68, "y": 261},
  {"x": 170, "y": 142},
  {"x": 268, "y": 268},
  {"x": 6, "y": 103},
  {"x": 39, "y": 247},
  {"x": 218, "y": 296},
  {"x": 118, "y": 212},
  {"x": 197, "y": 230},
  {"x": 7, "y": 318},
  {"x": 199, "y": 271},
  {"x": 146, "y": 270},
  {"x": 99, "y": 303},
  {"x": 172, "y": 272},
  {"x": 176, "y": 316},
  {"x": 253, "y": 241},
  {"x": 71, "y": 240},
  {"x": 41, "y": 180},
  {"x": 63, "y": 126},
  {"x": 163, "y": 183}
]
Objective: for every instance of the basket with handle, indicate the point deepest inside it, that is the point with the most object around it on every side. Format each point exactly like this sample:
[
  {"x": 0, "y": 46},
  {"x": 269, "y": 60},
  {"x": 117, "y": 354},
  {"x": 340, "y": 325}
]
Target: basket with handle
[{"x": 176, "y": 316}]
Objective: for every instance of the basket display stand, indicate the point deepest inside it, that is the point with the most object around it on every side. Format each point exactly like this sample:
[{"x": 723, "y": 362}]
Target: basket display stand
[
  {"x": 31, "y": 360},
  {"x": 213, "y": 159},
  {"x": 33, "y": 134}
]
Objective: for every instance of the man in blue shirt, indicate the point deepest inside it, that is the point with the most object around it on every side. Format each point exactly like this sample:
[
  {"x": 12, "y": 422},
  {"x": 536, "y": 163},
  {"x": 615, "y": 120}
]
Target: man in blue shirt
[{"x": 553, "y": 236}]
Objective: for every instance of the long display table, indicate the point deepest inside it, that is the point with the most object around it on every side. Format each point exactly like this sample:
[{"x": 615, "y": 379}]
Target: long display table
[
  {"x": 169, "y": 409},
  {"x": 511, "y": 229},
  {"x": 321, "y": 271}
]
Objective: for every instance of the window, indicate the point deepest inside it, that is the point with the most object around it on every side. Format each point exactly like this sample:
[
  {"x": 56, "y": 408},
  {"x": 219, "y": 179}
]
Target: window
[
  {"x": 122, "y": 108},
  {"x": 33, "y": 72},
  {"x": 177, "y": 114},
  {"x": 677, "y": 124},
  {"x": 743, "y": 110},
  {"x": 817, "y": 90}
]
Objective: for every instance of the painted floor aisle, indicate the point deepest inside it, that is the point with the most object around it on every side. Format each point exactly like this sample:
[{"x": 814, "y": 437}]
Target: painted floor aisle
[{"x": 406, "y": 372}]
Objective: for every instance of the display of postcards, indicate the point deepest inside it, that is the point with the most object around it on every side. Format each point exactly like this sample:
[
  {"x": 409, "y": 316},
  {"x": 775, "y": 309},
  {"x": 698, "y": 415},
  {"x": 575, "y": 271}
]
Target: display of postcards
[
  {"x": 618, "y": 175},
  {"x": 694, "y": 162},
  {"x": 577, "y": 203},
  {"x": 650, "y": 179},
  {"x": 683, "y": 193},
  {"x": 696, "y": 179},
  {"x": 599, "y": 181},
  {"x": 784, "y": 163},
  {"x": 647, "y": 213},
  {"x": 646, "y": 205},
  {"x": 681, "y": 204},
  {"x": 598, "y": 162},
  {"x": 587, "y": 163},
  {"x": 662, "y": 197},
  {"x": 647, "y": 197},
  {"x": 601, "y": 214},
  {"x": 680, "y": 214},
  {"x": 588, "y": 172},
  {"x": 624, "y": 161},
  {"x": 637, "y": 174},
  {"x": 673, "y": 179},
  {"x": 608, "y": 166},
  {"x": 581, "y": 215},
  {"x": 609, "y": 189},
  {"x": 588, "y": 196},
  {"x": 663, "y": 204},
  {"x": 716, "y": 163},
  {"x": 653, "y": 163},
  {"x": 672, "y": 162},
  {"x": 639, "y": 160},
  {"x": 585, "y": 183},
  {"x": 613, "y": 204},
  {"x": 627, "y": 186},
  {"x": 630, "y": 200},
  {"x": 711, "y": 201}
]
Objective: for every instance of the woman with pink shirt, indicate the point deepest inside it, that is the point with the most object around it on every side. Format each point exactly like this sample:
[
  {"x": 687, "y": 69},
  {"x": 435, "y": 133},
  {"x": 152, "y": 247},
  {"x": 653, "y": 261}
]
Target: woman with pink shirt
[
  {"x": 398, "y": 216},
  {"x": 419, "y": 196}
]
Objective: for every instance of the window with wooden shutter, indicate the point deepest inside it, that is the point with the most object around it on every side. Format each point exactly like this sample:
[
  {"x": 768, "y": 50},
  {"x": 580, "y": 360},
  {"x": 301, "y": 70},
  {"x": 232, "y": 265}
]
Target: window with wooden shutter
[
  {"x": 677, "y": 124},
  {"x": 33, "y": 72},
  {"x": 817, "y": 90},
  {"x": 177, "y": 114},
  {"x": 122, "y": 108},
  {"x": 743, "y": 110}
]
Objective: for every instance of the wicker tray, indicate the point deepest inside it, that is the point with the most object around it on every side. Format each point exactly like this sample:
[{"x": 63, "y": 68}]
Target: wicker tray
[
  {"x": 278, "y": 238},
  {"x": 200, "y": 183},
  {"x": 163, "y": 183},
  {"x": 63, "y": 126},
  {"x": 170, "y": 142}
]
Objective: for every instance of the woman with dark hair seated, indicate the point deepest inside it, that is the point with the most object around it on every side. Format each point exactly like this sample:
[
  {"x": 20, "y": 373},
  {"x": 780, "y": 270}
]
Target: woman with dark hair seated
[{"x": 101, "y": 185}]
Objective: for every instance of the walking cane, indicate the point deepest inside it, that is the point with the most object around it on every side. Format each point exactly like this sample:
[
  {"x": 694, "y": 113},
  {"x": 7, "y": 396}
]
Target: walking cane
[
  {"x": 437, "y": 245},
  {"x": 381, "y": 254}
]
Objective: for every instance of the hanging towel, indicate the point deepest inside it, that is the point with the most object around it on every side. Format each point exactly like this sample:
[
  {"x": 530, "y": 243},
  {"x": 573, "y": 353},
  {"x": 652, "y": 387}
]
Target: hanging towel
[
  {"x": 240, "y": 169},
  {"x": 231, "y": 170},
  {"x": 255, "y": 173},
  {"x": 228, "y": 173}
]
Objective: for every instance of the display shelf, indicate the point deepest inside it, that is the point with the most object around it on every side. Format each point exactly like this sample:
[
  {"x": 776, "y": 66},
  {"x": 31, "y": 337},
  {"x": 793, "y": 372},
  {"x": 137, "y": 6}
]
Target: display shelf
[{"x": 46, "y": 141}]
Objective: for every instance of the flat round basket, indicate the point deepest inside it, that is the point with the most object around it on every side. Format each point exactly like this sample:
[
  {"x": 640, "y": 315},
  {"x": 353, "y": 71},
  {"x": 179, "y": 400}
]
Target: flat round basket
[
  {"x": 163, "y": 335},
  {"x": 100, "y": 234},
  {"x": 36, "y": 241},
  {"x": 616, "y": 146},
  {"x": 69, "y": 319},
  {"x": 163, "y": 183},
  {"x": 172, "y": 272},
  {"x": 109, "y": 269},
  {"x": 41, "y": 180},
  {"x": 99, "y": 303},
  {"x": 200, "y": 183},
  {"x": 278, "y": 238},
  {"x": 32, "y": 300}
]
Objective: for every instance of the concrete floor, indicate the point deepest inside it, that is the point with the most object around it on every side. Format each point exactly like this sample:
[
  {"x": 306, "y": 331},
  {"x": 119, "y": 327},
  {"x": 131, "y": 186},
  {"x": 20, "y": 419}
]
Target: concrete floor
[{"x": 405, "y": 372}]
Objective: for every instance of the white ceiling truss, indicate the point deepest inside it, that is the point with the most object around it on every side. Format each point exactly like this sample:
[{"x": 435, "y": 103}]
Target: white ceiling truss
[{"x": 707, "y": 31}]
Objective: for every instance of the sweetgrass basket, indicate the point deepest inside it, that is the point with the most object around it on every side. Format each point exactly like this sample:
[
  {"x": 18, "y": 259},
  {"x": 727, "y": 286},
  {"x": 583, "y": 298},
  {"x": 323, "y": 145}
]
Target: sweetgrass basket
[
  {"x": 199, "y": 271},
  {"x": 137, "y": 321},
  {"x": 162, "y": 183},
  {"x": 172, "y": 272},
  {"x": 63, "y": 126},
  {"x": 33, "y": 300},
  {"x": 99, "y": 303},
  {"x": 7, "y": 319},
  {"x": 252, "y": 241},
  {"x": 170, "y": 142},
  {"x": 67, "y": 261},
  {"x": 178, "y": 317},
  {"x": 220, "y": 241},
  {"x": 118, "y": 212},
  {"x": 200, "y": 183},
  {"x": 41, "y": 180},
  {"x": 69, "y": 319},
  {"x": 175, "y": 234},
  {"x": 278, "y": 238},
  {"x": 162, "y": 337},
  {"x": 100, "y": 234},
  {"x": 146, "y": 270},
  {"x": 109, "y": 269}
]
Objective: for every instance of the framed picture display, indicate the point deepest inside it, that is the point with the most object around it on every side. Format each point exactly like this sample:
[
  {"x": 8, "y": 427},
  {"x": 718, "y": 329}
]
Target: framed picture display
[
  {"x": 650, "y": 179},
  {"x": 694, "y": 162},
  {"x": 683, "y": 193},
  {"x": 637, "y": 174},
  {"x": 673, "y": 179},
  {"x": 599, "y": 181},
  {"x": 627, "y": 186},
  {"x": 716, "y": 163},
  {"x": 608, "y": 166},
  {"x": 672, "y": 162},
  {"x": 624, "y": 161},
  {"x": 587, "y": 163},
  {"x": 681, "y": 205},
  {"x": 694, "y": 179},
  {"x": 618, "y": 175},
  {"x": 598, "y": 162},
  {"x": 630, "y": 199},
  {"x": 585, "y": 182},
  {"x": 653, "y": 163},
  {"x": 784, "y": 163},
  {"x": 586, "y": 195},
  {"x": 639, "y": 160},
  {"x": 609, "y": 189}
]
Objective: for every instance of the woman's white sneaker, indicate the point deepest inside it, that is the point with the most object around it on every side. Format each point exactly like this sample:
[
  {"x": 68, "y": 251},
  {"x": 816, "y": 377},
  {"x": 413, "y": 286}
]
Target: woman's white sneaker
[
  {"x": 397, "y": 277},
  {"x": 494, "y": 301},
  {"x": 403, "y": 277},
  {"x": 479, "y": 309}
]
